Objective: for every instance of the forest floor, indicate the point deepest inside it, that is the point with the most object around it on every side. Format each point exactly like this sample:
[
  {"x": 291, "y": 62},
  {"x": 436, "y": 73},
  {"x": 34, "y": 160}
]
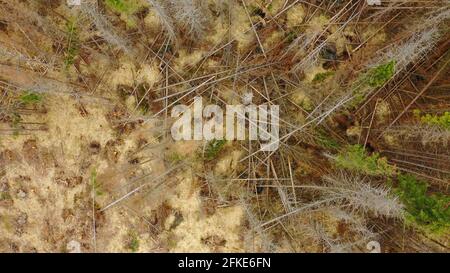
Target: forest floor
[{"x": 88, "y": 163}]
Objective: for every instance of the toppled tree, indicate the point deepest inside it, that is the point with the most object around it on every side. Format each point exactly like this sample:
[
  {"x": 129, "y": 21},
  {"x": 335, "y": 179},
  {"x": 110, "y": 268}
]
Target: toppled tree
[{"x": 363, "y": 196}]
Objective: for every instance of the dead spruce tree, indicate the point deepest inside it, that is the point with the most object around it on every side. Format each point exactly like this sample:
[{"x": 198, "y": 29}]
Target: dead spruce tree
[
  {"x": 189, "y": 15},
  {"x": 105, "y": 29},
  {"x": 163, "y": 14},
  {"x": 360, "y": 195}
]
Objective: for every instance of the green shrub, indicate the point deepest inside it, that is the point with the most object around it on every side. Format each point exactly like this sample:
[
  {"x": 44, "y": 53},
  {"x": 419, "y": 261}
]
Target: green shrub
[
  {"x": 118, "y": 5},
  {"x": 16, "y": 120},
  {"x": 126, "y": 8},
  {"x": 133, "y": 244},
  {"x": 175, "y": 157},
  {"x": 290, "y": 37},
  {"x": 326, "y": 141},
  {"x": 95, "y": 184},
  {"x": 355, "y": 158},
  {"x": 429, "y": 212},
  {"x": 72, "y": 43},
  {"x": 442, "y": 121},
  {"x": 30, "y": 98},
  {"x": 379, "y": 75},
  {"x": 375, "y": 77},
  {"x": 213, "y": 148},
  {"x": 5, "y": 196},
  {"x": 320, "y": 77}
]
